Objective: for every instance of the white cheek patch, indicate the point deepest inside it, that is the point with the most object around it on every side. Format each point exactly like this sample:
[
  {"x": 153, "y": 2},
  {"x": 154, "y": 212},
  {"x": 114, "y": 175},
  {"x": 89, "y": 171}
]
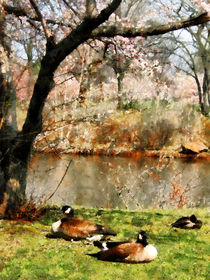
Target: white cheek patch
[
  {"x": 56, "y": 227},
  {"x": 104, "y": 246},
  {"x": 140, "y": 236},
  {"x": 68, "y": 210}
]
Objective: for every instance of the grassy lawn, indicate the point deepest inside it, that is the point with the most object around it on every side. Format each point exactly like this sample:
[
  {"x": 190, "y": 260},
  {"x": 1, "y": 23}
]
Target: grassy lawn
[{"x": 26, "y": 254}]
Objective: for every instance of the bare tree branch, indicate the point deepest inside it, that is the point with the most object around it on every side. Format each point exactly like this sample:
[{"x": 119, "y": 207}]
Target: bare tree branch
[
  {"x": 50, "y": 196},
  {"x": 39, "y": 15},
  {"x": 111, "y": 31},
  {"x": 20, "y": 12},
  {"x": 90, "y": 7},
  {"x": 71, "y": 8}
]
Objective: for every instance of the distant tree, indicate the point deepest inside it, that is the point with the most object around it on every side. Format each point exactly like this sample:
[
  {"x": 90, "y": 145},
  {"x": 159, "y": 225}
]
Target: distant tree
[
  {"x": 194, "y": 60},
  {"x": 186, "y": 50},
  {"x": 62, "y": 37}
]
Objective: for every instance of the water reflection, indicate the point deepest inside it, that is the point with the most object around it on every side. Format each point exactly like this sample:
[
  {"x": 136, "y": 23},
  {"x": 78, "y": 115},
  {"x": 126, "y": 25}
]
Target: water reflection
[{"x": 117, "y": 182}]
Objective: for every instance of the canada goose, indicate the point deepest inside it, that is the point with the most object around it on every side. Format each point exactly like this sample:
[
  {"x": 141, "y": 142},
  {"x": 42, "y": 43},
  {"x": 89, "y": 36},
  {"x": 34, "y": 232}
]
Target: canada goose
[
  {"x": 73, "y": 228},
  {"x": 129, "y": 252},
  {"x": 187, "y": 223}
]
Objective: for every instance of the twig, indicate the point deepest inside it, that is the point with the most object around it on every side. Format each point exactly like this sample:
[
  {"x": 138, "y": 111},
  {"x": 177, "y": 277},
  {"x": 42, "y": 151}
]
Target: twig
[
  {"x": 59, "y": 182},
  {"x": 39, "y": 15}
]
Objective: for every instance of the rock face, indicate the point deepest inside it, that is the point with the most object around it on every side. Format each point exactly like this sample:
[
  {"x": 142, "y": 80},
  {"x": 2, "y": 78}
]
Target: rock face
[{"x": 194, "y": 147}]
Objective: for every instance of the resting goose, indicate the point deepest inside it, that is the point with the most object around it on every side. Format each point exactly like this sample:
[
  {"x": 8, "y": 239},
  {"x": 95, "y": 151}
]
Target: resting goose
[
  {"x": 73, "y": 228},
  {"x": 129, "y": 252},
  {"x": 187, "y": 223}
]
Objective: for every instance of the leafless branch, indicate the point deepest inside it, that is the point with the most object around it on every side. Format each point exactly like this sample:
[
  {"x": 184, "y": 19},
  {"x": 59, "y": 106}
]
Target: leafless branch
[
  {"x": 59, "y": 182},
  {"x": 110, "y": 31},
  {"x": 71, "y": 8},
  {"x": 20, "y": 12},
  {"x": 39, "y": 15}
]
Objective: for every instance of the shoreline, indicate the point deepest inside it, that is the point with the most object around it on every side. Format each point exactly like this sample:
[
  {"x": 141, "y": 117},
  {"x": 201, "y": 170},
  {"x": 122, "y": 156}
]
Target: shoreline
[{"x": 132, "y": 154}]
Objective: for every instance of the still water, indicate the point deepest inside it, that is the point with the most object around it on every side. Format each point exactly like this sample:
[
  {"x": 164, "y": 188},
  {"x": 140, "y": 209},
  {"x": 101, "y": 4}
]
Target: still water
[{"x": 118, "y": 182}]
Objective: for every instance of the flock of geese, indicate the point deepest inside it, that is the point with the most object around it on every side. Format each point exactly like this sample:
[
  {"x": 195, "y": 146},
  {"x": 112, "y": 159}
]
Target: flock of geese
[{"x": 71, "y": 228}]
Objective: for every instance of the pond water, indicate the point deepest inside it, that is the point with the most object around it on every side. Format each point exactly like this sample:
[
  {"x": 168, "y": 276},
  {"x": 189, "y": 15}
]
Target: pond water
[{"x": 118, "y": 182}]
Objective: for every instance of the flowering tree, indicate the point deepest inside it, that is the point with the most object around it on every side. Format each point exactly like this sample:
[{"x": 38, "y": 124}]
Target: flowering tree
[
  {"x": 194, "y": 62},
  {"x": 186, "y": 50},
  {"x": 60, "y": 36}
]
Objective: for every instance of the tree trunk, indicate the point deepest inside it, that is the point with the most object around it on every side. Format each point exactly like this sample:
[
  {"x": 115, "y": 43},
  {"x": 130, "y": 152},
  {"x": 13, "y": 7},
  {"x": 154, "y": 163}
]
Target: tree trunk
[
  {"x": 200, "y": 94},
  {"x": 204, "y": 50},
  {"x": 84, "y": 83},
  {"x": 205, "y": 91},
  {"x": 84, "y": 87},
  {"x": 16, "y": 146},
  {"x": 119, "y": 91},
  {"x": 12, "y": 170},
  {"x": 13, "y": 183}
]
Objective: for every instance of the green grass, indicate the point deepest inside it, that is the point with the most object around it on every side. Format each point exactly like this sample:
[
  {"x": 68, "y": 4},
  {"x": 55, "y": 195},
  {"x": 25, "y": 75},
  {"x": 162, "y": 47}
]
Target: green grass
[{"x": 26, "y": 254}]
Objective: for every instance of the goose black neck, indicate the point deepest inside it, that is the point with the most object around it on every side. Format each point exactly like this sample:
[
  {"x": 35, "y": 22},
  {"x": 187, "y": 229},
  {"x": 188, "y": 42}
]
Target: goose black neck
[
  {"x": 143, "y": 240},
  {"x": 71, "y": 214},
  {"x": 193, "y": 219}
]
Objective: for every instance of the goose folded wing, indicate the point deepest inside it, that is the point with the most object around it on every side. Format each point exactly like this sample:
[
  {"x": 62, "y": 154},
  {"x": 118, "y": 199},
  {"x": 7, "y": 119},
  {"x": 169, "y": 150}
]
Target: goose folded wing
[
  {"x": 78, "y": 228},
  {"x": 118, "y": 253}
]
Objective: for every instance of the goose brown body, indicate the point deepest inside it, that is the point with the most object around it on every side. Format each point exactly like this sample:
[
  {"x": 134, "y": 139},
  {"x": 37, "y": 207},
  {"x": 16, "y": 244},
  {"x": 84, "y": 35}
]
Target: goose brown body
[
  {"x": 129, "y": 252},
  {"x": 73, "y": 228},
  {"x": 77, "y": 228}
]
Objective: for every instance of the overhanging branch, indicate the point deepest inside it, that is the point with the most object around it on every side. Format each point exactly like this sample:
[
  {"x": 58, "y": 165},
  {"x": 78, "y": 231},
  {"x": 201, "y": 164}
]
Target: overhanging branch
[
  {"x": 20, "y": 12},
  {"x": 110, "y": 31}
]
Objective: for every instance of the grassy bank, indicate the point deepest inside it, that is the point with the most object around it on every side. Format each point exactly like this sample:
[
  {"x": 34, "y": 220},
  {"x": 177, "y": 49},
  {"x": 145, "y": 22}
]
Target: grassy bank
[{"x": 26, "y": 254}]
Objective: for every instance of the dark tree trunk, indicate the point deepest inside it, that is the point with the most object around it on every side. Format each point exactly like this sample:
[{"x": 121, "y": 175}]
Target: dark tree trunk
[
  {"x": 16, "y": 146},
  {"x": 14, "y": 172},
  {"x": 206, "y": 91},
  {"x": 200, "y": 94},
  {"x": 84, "y": 86},
  {"x": 119, "y": 91}
]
